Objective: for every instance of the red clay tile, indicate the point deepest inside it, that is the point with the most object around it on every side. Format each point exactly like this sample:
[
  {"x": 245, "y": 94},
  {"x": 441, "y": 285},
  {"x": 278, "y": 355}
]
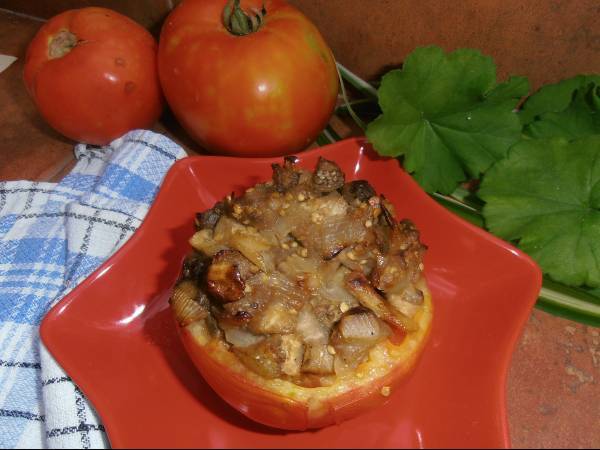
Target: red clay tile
[{"x": 553, "y": 385}]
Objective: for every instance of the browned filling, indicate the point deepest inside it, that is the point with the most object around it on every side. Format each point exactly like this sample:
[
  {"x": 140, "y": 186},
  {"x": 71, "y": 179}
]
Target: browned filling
[{"x": 304, "y": 274}]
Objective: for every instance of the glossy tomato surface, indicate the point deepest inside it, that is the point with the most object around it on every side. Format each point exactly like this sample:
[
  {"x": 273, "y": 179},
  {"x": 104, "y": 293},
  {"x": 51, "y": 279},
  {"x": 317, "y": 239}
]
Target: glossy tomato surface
[
  {"x": 115, "y": 336},
  {"x": 266, "y": 93},
  {"x": 92, "y": 75}
]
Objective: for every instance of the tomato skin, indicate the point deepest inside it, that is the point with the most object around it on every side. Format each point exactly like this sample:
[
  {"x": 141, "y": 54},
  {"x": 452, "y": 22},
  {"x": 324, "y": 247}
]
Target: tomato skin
[
  {"x": 105, "y": 86},
  {"x": 267, "y": 93},
  {"x": 259, "y": 404},
  {"x": 288, "y": 408}
]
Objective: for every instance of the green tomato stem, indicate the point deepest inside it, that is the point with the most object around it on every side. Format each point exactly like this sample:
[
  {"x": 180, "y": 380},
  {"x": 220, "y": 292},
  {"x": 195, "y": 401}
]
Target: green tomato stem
[{"x": 240, "y": 23}]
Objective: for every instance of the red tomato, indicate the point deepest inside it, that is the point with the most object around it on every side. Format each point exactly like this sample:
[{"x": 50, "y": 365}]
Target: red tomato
[
  {"x": 92, "y": 74},
  {"x": 283, "y": 404},
  {"x": 269, "y": 92}
]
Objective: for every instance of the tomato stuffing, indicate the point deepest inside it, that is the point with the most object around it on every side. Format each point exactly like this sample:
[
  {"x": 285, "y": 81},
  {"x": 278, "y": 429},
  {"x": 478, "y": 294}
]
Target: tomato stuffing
[{"x": 304, "y": 301}]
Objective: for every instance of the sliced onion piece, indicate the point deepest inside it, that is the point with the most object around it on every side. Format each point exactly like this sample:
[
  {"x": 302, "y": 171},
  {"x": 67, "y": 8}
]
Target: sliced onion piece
[
  {"x": 359, "y": 286},
  {"x": 184, "y": 304},
  {"x": 241, "y": 338},
  {"x": 309, "y": 327},
  {"x": 204, "y": 242},
  {"x": 362, "y": 327}
]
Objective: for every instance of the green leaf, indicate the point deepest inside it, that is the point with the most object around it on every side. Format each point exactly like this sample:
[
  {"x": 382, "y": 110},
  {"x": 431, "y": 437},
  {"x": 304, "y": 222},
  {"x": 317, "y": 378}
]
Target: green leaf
[
  {"x": 554, "y": 97},
  {"x": 546, "y": 196},
  {"x": 447, "y": 115},
  {"x": 581, "y": 118},
  {"x": 596, "y": 293},
  {"x": 514, "y": 88}
]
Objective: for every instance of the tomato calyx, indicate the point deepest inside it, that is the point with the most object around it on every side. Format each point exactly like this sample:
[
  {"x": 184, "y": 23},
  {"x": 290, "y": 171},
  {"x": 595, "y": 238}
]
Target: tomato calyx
[
  {"x": 61, "y": 44},
  {"x": 240, "y": 23}
]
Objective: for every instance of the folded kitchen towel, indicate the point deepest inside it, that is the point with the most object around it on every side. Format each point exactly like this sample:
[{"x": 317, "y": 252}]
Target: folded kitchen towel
[{"x": 52, "y": 236}]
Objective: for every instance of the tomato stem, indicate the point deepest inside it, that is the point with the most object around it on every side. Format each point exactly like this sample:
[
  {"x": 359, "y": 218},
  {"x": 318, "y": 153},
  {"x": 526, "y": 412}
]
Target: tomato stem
[
  {"x": 240, "y": 23},
  {"x": 61, "y": 44}
]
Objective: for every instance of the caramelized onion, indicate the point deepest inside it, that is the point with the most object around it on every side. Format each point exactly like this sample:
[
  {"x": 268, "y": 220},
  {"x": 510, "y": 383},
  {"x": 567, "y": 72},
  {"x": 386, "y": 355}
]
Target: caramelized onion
[
  {"x": 240, "y": 338},
  {"x": 361, "y": 327},
  {"x": 360, "y": 287},
  {"x": 184, "y": 304}
]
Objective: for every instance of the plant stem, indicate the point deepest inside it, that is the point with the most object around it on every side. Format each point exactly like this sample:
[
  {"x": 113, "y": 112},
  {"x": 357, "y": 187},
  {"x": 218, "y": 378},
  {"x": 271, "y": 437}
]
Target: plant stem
[
  {"x": 354, "y": 116},
  {"x": 358, "y": 83}
]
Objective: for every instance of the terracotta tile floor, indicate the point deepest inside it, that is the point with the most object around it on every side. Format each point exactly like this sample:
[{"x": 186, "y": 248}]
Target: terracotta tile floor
[{"x": 554, "y": 381}]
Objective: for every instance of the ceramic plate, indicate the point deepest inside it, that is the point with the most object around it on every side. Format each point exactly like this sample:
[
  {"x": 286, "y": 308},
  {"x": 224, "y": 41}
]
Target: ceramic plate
[{"x": 115, "y": 337}]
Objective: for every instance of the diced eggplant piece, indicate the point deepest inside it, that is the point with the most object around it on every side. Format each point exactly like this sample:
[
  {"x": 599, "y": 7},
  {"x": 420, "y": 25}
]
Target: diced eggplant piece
[
  {"x": 286, "y": 177},
  {"x": 402, "y": 266},
  {"x": 388, "y": 215},
  {"x": 240, "y": 313},
  {"x": 318, "y": 360},
  {"x": 359, "y": 190},
  {"x": 277, "y": 317},
  {"x": 293, "y": 349},
  {"x": 265, "y": 358},
  {"x": 328, "y": 176},
  {"x": 209, "y": 218},
  {"x": 194, "y": 266},
  {"x": 405, "y": 236},
  {"x": 226, "y": 275},
  {"x": 225, "y": 282},
  {"x": 274, "y": 356},
  {"x": 349, "y": 356}
]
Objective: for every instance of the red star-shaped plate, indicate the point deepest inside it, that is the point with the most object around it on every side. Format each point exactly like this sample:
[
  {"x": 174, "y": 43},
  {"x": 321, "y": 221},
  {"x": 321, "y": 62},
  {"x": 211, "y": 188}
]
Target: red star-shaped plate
[{"x": 115, "y": 337}]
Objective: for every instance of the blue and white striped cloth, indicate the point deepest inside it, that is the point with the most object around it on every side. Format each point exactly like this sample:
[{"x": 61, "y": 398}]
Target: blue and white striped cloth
[{"x": 51, "y": 237}]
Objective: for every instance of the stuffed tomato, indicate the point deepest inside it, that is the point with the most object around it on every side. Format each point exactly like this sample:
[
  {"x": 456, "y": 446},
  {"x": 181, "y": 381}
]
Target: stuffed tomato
[{"x": 304, "y": 301}]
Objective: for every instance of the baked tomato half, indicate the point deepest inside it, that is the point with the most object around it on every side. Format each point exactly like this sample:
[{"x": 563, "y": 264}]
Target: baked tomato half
[
  {"x": 92, "y": 75},
  {"x": 253, "y": 78},
  {"x": 283, "y": 404},
  {"x": 304, "y": 302}
]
